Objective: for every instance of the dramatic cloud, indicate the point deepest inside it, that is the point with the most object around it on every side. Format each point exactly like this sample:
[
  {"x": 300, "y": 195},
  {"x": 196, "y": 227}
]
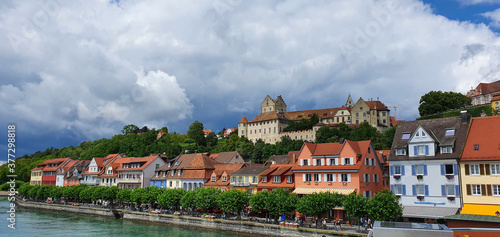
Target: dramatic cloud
[{"x": 82, "y": 70}]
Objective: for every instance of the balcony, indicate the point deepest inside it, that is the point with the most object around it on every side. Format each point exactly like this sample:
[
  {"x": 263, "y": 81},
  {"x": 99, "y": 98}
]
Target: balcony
[
  {"x": 241, "y": 184},
  {"x": 91, "y": 182}
]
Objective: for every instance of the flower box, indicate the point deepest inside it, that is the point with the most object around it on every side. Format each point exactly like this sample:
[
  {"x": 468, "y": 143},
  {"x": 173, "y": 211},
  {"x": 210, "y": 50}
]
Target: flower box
[
  {"x": 451, "y": 198},
  {"x": 397, "y": 176},
  {"x": 450, "y": 176},
  {"x": 420, "y": 176},
  {"x": 420, "y": 198}
]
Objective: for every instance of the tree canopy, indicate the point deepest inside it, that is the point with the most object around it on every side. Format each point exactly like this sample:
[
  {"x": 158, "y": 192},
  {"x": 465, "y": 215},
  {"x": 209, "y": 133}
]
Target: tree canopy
[
  {"x": 384, "y": 206},
  {"x": 438, "y": 101}
]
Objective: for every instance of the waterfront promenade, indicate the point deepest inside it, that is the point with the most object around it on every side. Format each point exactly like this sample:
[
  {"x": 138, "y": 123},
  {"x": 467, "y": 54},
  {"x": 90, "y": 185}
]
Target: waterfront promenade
[{"x": 243, "y": 226}]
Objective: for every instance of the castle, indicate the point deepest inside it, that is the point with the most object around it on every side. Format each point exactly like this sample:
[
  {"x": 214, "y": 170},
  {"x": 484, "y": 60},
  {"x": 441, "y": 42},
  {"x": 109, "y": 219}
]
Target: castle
[{"x": 269, "y": 125}]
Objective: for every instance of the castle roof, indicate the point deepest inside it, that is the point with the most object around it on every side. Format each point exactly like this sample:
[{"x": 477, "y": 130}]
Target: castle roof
[{"x": 243, "y": 120}]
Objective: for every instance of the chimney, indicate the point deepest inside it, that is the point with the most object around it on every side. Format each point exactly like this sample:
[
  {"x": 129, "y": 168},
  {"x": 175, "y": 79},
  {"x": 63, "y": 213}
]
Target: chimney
[
  {"x": 294, "y": 158},
  {"x": 464, "y": 116}
]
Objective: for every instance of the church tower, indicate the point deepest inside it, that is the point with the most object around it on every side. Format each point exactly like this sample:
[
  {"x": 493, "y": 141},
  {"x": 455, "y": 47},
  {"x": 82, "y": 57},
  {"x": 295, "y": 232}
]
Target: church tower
[
  {"x": 273, "y": 105},
  {"x": 349, "y": 103}
]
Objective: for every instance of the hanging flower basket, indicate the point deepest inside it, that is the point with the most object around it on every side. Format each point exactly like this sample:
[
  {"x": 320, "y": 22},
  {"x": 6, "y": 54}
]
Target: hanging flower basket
[
  {"x": 451, "y": 198},
  {"x": 397, "y": 176},
  {"x": 420, "y": 198},
  {"x": 420, "y": 176},
  {"x": 450, "y": 176}
]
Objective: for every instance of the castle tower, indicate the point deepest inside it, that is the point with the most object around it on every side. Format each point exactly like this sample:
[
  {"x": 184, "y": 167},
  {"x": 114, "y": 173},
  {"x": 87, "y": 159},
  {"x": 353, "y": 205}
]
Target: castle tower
[
  {"x": 349, "y": 103},
  {"x": 242, "y": 127},
  {"x": 273, "y": 105}
]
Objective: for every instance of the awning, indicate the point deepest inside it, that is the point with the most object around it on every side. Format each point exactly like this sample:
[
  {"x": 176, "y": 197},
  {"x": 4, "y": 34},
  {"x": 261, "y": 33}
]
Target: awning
[
  {"x": 428, "y": 212},
  {"x": 480, "y": 209},
  {"x": 345, "y": 191}
]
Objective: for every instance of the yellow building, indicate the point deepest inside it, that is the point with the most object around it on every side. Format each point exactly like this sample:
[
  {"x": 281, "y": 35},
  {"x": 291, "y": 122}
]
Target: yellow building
[
  {"x": 480, "y": 168},
  {"x": 247, "y": 178},
  {"x": 36, "y": 176},
  {"x": 495, "y": 103}
]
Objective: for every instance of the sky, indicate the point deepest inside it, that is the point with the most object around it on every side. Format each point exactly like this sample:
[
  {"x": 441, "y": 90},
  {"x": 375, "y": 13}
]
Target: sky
[{"x": 74, "y": 71}]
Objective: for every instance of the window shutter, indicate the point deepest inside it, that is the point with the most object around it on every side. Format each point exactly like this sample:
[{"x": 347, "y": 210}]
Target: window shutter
[
  {"x": 322, "y": 162},
  {"x": 415, "y": 151},
  {"x": 404, "y": 189},
  {"x": 414, "y": 190},
  {"x": 483, "y": 189},
  {"x": 336, "y": 161},
  {"x": 488, "y": 186},
  {"x": 301, "y": 162},
  {"x": 319, "y": 177},
  {"x": 402, "y": 170},
  {"x": 425, "y": 169},
  {"x": 455, "y": 169},
  {"x": 481, "y": 169},
  {"x": 469, "y": 191},
  {"x": 427, "y": 150},
  {"x": 351, "y": 161},
  {"x": 413, "y": 172},
  {"x": 392, "y": 188},
  {"x": 325, "y": 177},
  {"x": 304, "y": 177},
  {"x": 348, "y": 178},
  {"x": 342, "y": 161},
  {"x": 391, "y": 170},
  {"x": 467, "y": 171},
  {"x": 333, "y": 177},
  {"x": 487, "y": 169},
  {"x": 457, "y": 190},
  {"x": 443, "y": 190},
  {"x": 366, "y": 161},
  {"x": 442, "y": 169},
  {"x": 426, "y": 190}
]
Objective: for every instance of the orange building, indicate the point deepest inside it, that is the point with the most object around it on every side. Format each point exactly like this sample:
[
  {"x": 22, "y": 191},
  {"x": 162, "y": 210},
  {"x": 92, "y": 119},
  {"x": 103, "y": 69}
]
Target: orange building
[
  {"x": 220, "y": 177},
  {"x": 277, "y": 176},
  {"x": 338, "y": 168},
  {"x": 46, "y": 172}
]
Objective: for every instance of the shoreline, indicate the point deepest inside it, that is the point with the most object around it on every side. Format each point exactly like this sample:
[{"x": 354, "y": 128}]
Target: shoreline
[{"x": 231, "y": 226}]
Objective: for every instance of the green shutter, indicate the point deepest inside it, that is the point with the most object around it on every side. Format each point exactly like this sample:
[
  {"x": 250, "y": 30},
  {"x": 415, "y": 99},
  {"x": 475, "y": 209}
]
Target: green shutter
[{"x": 467, "y": 171}]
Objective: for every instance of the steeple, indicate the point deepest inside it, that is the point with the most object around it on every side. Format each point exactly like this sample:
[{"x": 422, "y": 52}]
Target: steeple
[{"x": 349, "y": 103}]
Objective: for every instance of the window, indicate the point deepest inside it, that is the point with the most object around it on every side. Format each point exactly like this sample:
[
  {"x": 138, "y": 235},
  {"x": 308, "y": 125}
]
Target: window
[
  {"x": 213, "y": 178},
  {"x": 331, "y": 162},
  {"x": 496, "y": 190},
  {"x": 264, "y": 179},
  {"x": 329, "y": 178},
  {"x": 367, "y": 178},
  {"x": 347, "y": 161},
  {"x": 305, "y": 162},
  {"x": 421, "y": 150},
  {"x": 157, "y": 166},
  {"x": 446, "y": 149},
  {"x": 289, "y": 179},
  {"x": 375, "y": 178},
  {"x": 318, "y": 162},
  {"x": 397, "y": 170},
  {"x": 476, "y": 189},
  {"x": 254, "y": 179},
  {"x": 344, "y": 178},
  {"x": 420, "y": 189},
  {"x": 474, "y": 169},
  {"x": 495, "y": 169},
  {"x": 316, "y": 178},
  {"x": 308, "y": 177},
  {"x": 450, "y": 190},
  {"x": 450, "y": 132},
  {"x": 276, "y": 179},
  {"x": 367, "y": 194},
  {"x": 419, "y": 169},
  {"x": 476, "y": 147},
  {"x": 405, "y": 136},
  {"x": 448, "y": 169},
  {"x": 400, "y": 151},
  {"x": 398, "y": 189}
]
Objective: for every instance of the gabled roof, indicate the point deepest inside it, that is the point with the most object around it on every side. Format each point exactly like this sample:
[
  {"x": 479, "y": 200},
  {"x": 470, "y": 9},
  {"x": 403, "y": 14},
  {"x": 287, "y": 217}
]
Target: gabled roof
[
  {"x": 226, "y": 157},
  {"x": 324, "y": 149},
  {"x": 146, "y": 160},
  {"x": 219, "y": 170},
  {"x": 243, "y": 119},
  {"x": 437, "y": 129},
  {"x": 267, "y": 116},
  {"x": 47, "y": 163},
  {"x": 198, "y": 161},
  {"x": 484, "y": 132},
  {"x": 251, "y": 170},
  {"x": 66, "y": 167},
  {"x": 80, "y": 166},
  {"x": 376, "y": 105},
  {"x": 487, "y": 88},
  {"x": 307, "y": 114}
]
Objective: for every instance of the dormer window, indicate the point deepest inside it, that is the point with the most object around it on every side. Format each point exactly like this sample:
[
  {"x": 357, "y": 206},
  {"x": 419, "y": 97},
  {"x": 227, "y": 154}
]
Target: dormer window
[
  {"x": 476, "y": 147},
  {"x": 400, "y": 151},
  {"x": 423, "y": 134},
  {"x": 264, "y": 179},
  {"x": 446, "y": 150},
  {"x": 213, "y": 178},
  {"x": 405, "y": 136},
  {"x": 224, "y": 178},
  {"x": 450, "y": 132},
  {"x": 179, "y": 172}
]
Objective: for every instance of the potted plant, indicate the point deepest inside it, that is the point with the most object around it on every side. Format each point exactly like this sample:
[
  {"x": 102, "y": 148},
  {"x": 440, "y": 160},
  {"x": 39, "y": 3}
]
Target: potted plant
[
  {"x": 451, "y": 198},
  {"x": 420, "y": 197},
  {"x": 397, "y": 176},
  {"x": 449, "y": 176},
  {"x": 420, "y": 176}
]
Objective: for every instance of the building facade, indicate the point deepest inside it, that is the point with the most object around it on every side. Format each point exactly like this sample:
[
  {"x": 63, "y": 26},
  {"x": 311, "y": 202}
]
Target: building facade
[
  {"x": 135, "y": 172},
  {"x": 424, "y": 166},
  {"x": 45, "y": 172},
  {"x": 483, "y": 93},
  {"x": 246, "y": 179}
]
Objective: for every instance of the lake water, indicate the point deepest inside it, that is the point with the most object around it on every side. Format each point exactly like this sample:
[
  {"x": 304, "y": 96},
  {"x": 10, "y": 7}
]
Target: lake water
[{"x": 33, "y": 222}]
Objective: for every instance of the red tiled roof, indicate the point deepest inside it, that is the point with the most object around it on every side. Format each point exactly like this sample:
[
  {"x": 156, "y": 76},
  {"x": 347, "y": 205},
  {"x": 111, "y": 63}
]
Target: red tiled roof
[
  {"x": 67, "y": 166},
  {"x": 495, "y": 97},
  {"x": 207, "y": 131},
  {"x": 147, "y": 160},
  {"x": 160, "y": 134},
  {"x": 484, "y": 131},
  {"x": 225, "y": 157},
  {"x": 243, "y": 119},
  {"x": 307, "y": 114},
  {"x": 53, "y": 161},
  {"x": 228, "y": 131},
  {"x": 376, "y": 105},
  {"x": 487, "y": 88},
  {"x": 267, "y": 116},
  {"x": 323, "y": 149}
]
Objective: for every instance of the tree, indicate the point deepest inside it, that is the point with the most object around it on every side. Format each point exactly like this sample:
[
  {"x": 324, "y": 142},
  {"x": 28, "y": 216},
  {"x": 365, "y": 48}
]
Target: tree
[
  {"x": 150, "y": 195},
  {"x": 164, "y": 129},
  {"x": 86, "y": 195},
  {"x": 258, "y": 201},
  {"x": 136, "y": 196},
  {"x": 171, "y": 197},
  {"x": 355, "y": 205},
  {"x": 196, "y": 133},
  {"x": 188, "y": 200},
  {"x": 232, "y": 200},
  {"x": 110, "y": 193},
  {"x": 384, "y": 206},
  {"x": 206, "y": 198},
  {"x": 33, "y": 192},
  {"x": 56, "y": 193},
  {"x": 323, "y": 134},
  {"x": 438, "y": 101},
  {"x": 96, "y": 193},
  {"x": 211, "y": 139},
  {"x": 281, "y": 201},
  {"x": 317, "y": 204},
  {"x": 123, "y": 195},
  {"x": 24, "y": 189},
  {"x": 128, "y": 129}
]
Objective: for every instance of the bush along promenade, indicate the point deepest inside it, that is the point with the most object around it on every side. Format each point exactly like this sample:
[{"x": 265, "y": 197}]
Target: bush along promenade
[{"x": 273, "y": 207}]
